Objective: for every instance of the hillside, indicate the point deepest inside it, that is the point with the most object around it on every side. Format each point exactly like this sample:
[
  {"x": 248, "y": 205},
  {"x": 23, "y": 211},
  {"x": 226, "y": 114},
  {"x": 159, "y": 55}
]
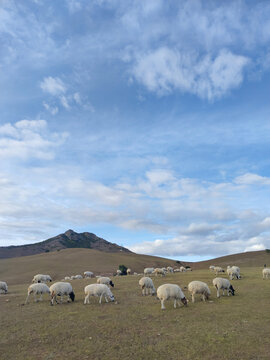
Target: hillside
[
  {"x": 75, "y": 261},
  {"x": 70, "y": 239}
]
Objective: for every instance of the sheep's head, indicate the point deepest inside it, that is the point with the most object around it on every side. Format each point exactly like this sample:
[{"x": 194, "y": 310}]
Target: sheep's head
[
  {"x": 72, "y": 296},
  {"x": 111, "y": 283},
  {"x": 231, "y": 290},
  {"x": 184, "y": 301}
]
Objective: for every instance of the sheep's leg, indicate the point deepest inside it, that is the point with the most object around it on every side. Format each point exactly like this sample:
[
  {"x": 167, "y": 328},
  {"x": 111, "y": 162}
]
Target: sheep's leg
[
  {"x": 174, "y": 305},
  {"x": 203, "y": 297},
  {"x": 35, "y": 298},
  {"x": 223, "y": 292},
  {"x": 100, "y": 298},
  {"x": 218, "y": 295},
  {"x": 106, "y": 299},
  {"x": 26, "y": 300},
  {"x": 162, "y": 305},
  {"x": 193, "y": 298},
  {"x": 40, "y": 299},
  {"x": 86, "y": 299},
  {"x": 228, "y": 292}
]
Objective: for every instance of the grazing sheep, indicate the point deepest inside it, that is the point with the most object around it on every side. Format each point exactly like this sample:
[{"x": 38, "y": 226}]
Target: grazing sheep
[
  {"x": 3, "y": 287},
  {"x": 159, "y": 271},
  {"x": 147, "y": 286},
  {"x": 128, "y": 271},
  {"x": 170, "y": 269},
  {"x": 148, "y": 271},
  {"x": 170, "y": 291},
  {"x": 67, "y": 278},
  {"x": 41, "y": 278},
  {"x": 88, "y": 274},
  {"x": 118, "y": 272},
  {"x": 233, "y": 272},
  {"x": 182, "y": 269},
  {"x": 266, "y": 273},
  {"x": 105, "y": 280},
  {"x": 199, "y": 287},
  {"x": 212, "y": 268},
  {"x": 98, "y": 290},
  {"x": 218, "y": 269},
  {"x": 223, "y": 284},
  {"x": 61, "y": 289},
  {"x": 37, "y": 289},
  {"x": 78, "y": 277},
  {"x": 188, "y": 268},
  {"x": 176, "y": 270}
]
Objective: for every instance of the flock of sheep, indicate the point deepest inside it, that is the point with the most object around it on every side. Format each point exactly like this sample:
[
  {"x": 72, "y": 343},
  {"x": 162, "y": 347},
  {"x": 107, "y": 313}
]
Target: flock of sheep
[{"x": 164, "y": 292}]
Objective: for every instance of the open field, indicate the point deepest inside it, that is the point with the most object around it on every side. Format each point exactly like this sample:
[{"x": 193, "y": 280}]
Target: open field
[{"x": 135, "y": 327}]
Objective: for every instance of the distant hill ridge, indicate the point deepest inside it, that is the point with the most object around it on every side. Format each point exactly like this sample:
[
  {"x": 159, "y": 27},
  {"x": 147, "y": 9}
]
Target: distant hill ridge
[{"x": 69, "y": 239}]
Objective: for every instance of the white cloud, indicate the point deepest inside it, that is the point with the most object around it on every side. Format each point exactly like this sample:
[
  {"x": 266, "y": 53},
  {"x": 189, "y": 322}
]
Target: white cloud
[
  {"x": 165, "y": 70},
  {"x": 252, "y": 179},
  {"x": 53, "y": 86},
  {"x": 52, "y": 109}
]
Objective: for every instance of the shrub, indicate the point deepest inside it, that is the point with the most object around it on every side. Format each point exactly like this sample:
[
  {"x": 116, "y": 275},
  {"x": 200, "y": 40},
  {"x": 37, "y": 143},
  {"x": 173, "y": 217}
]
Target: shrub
[{"x": 123, "y": 269}]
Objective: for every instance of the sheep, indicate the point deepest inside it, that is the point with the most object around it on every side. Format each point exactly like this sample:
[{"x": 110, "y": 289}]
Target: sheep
[
  {"x": 218, "y": 269},
  {"x": 170, "y": 291},
  {"x": 67, "y": 278},
  {"x": 105, "y": 280},
  {"x": 233, "y": 272},
  {"x": 118, "y": 272},
  {"x": 212, "y": 268},
  {"x": 61, "y": 289},
  {"x": 266, "y": 273},
  {"x": 78, "y": 277},
  {"x": 199, "y": 287},
  {"x": 148, "y": 271},
  {"x": 182, "y": 269},
  {"x": 41, "y": 278},
  {"x": 188, "y": 268},
  {"x": 223, "y": 284},
  {"x": 147, "y": 286},
  {"x": 170, "y": 269},
  {"x": 128, "y": 271},
  {"x": 3, "y": 287},
  {"x": 176, "y": 270},
  {"x": 159, "y": 271},
  {"x": 98, "y": 290},
  {"x": 88, "y": 274},
  {"x": 36, "y": 289}
]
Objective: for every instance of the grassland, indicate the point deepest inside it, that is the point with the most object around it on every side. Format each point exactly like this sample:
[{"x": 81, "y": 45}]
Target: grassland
[{"x": 135, "y": 327}]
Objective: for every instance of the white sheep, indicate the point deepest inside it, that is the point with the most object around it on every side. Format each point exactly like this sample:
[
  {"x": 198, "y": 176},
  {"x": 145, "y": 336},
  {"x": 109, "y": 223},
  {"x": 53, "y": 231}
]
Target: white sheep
[
  {"x": 170, "y": 291},
  {"x": 147, "y": 286},
  {"x": 212, "y": 268},
  {"x": 170, "y": 269},
  {"x": 266, "y": 273},
  {"x": 148, "y": 271},
  {"x": 88, "y": 274},
  {"x": 105, "y": 280},
  {"x": 218, "y": 269},
  {"x": 41, "y": 278},
  {"x": 3, "y": 287},
  {"x": 78, "y": 277},
  {"x": 128, "y": 271},
  {"x": 98, "y": 290},
  {"x": 223, "y": 284},
  {"x": 37, "y": 289},
  {"x": 61, "y": 289},
  {"x": 182, "y": 269},
  {"x": 199, "y": 287},
  {"x": 233, "y": 272},
  {"x": 176, "y": 270},
  {"x": 159, "y": 271},
  {"x": 67, "y": 278},
  {"x": 118, "y": 272}
]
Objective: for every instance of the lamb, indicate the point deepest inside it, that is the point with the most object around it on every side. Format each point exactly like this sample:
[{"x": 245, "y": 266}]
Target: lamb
[
  {"x": 147, "y": 286},
  {"x": 233, "y": 272},
  {"x": 61, "y": 289},
  {"x": 266, "y": 273},
  {"x": 128, "y": 271},
  {"x": 3, "y": 287},
  {"x": 41, "y": 278},
  {"x": 218, "y": 269},
  {"x": 88, "y": 274},
  {"x": 199, "y": 287},
  {"x": 170, "y": 291},
  {"x": 223, "y": 284},
  {"x": 36, "y": 289},
  {"x": 170, "y": 269},
  {"x": 148, "y": 271},
  {"x": 159, "y": 271},
  {"x": 98, "y": 290},
  {"x": 182, "y": 269},
  {"x": 105, "y": 280}
]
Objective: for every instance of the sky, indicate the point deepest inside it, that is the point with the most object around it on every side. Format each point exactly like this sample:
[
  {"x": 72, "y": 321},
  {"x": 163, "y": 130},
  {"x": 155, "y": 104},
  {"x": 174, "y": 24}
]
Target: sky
[{"x": 144, "y": 122}]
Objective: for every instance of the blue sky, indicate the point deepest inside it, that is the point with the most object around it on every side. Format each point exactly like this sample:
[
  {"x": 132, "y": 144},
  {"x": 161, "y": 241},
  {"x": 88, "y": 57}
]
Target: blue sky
[{"x": 145, "y": 122}]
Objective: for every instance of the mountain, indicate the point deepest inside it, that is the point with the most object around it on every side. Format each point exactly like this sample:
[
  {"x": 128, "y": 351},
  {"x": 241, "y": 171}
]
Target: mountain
[{"x": 70, "y": 239}]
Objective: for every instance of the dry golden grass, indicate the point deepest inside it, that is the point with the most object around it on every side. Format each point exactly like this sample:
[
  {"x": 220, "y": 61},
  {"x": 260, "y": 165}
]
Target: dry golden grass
[{"x": 135, "y": 327}]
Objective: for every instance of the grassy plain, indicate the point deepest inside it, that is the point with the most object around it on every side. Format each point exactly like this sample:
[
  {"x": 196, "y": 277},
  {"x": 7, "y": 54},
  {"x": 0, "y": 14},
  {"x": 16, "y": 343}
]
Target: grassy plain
[{"x": 135, "y": 327}]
